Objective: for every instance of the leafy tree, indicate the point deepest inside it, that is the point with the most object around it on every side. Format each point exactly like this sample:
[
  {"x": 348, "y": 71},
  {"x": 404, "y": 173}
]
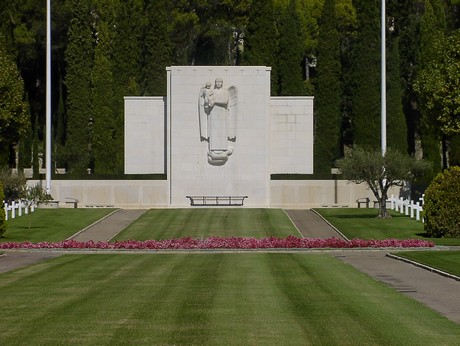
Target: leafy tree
[
  {"x": 291, "y": 53},
  {"x": 79, "y": 58},
  {"x": 432, "y": 30},
  {"x": 14, "y": 185},
  {"x": 261, "y": 39},
  {"x": 380, "y": 172},
  {"x": 328, "y": 93},
  {"x": 13, "y": 110},
  {"x": 438, "y": 85},
  {"x": 442, "y": 205},
  {"x": 366, "y": 76}
]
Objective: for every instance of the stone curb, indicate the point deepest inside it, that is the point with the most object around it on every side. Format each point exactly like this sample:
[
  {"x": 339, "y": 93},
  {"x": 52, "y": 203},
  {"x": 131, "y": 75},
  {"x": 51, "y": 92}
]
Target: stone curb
[
  {"x": 94, "y": 223},
  {"x": 423, "y": 266},
  {"x": 322, "y": 218}
]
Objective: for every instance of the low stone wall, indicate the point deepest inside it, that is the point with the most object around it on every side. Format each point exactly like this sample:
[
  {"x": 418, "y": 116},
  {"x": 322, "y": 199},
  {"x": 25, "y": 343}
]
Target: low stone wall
[{"x": 146, "y": 194}]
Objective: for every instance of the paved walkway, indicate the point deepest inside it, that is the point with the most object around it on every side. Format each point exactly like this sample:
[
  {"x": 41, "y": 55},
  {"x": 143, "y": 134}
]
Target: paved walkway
[
  {"x": 108, "y": 227},
  {"x": 438, "y": 292}
]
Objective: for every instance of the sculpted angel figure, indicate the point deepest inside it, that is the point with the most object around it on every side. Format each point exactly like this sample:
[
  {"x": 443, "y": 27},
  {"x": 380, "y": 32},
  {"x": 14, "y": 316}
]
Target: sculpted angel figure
[{"x": 217, "y": 113}]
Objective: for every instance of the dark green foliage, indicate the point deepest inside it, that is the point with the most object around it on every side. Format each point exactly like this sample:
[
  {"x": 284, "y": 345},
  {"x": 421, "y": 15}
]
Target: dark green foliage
[
  {"x": 328, "y": 93},
  {"x": 261, "y": 39},
  {"x": 2, "y": 212},
  {"x": 14, "y": 120},
  {"x": 291, "y": 53},
  {"x": 79, "y": 58},
  {"x": 380, "y": 172},
  {"x": 157, "y": 49},
  {"x": 103, "y": 126},
  {"x": 396, "y": 121},
  {"x": 442, "y": 205},
  {"x": 366, "y": 76},
  {"x": 14, "y": 185}
]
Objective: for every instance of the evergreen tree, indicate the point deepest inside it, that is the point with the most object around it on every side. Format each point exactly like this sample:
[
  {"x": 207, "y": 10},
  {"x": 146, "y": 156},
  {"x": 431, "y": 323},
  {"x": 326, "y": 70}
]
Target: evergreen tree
[
  {"x": 103, "y": 126},
  {"x": 14, "y": 118},
  {"x": 432, "y": 29},
  {"x": 396, "y": 121},
  {"x": 328, "y": 93},
  {"x": 157, "y": 49},
  {"x": 261, "y": 39},
  {"x": 290, "y": 55},
  {"x": 127, "y": 55},
  {"x": 79, "y": 58},
  {"x": 366, "y": 92}
]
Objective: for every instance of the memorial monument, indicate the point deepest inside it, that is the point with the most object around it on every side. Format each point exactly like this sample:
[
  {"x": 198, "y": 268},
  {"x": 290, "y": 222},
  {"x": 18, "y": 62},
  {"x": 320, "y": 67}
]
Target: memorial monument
[{"x": 218, "y": 134}]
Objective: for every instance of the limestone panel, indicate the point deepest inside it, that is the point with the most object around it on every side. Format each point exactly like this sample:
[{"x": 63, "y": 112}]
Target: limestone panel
[
  {"x": 145, "y": 151},
  {"x": 232, "y": 159},
  {"x": 291, "y": 135}
]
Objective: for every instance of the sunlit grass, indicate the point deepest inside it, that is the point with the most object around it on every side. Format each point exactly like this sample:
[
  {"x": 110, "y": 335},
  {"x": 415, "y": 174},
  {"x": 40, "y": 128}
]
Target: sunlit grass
[
  {"x": 362, "y": 223},
  {"x": 51, "y": 224},
  {"x": 447, "y": 261},
  {"x": 210, "y": 299},
  {"x": 209, "y": 222}
]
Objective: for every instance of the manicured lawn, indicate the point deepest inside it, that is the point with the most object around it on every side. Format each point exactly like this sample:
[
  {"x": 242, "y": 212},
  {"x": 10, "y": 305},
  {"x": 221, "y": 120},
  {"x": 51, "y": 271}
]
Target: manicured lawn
[
  {"x": 447, "y": 261},
  {"x": 362, "y": 223},
  {"x": 210, "y": 299},
  {"x": 207, "y": 222},
  {"x": 51, "y": 224}
]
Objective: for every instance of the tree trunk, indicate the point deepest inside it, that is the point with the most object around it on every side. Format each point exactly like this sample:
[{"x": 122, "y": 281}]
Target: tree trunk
[{"x": 383, "y": 211}]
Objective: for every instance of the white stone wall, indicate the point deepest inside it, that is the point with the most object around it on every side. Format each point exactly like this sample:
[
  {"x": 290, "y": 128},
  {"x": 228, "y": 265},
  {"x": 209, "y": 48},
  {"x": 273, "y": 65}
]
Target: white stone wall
[
  {"x": 307, "y": 194},
  {"x": 246, "y": 171},
  {"x": 145, "y": 194},
  {"x": 291, "y": 135},
  {"x": 132, "y": 194},
  {"x": 145, "y": 151}
]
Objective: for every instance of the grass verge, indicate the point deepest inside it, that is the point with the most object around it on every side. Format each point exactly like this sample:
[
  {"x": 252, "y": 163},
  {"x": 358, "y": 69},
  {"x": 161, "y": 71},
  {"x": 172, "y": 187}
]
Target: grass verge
[
  {"x": 363, "y": 224},
  {"x": 51, "y": 224},
  {"x": 447, "y": 261},
  {"x": 209, "y": 222},
  {"x": 210, "y": 299}
]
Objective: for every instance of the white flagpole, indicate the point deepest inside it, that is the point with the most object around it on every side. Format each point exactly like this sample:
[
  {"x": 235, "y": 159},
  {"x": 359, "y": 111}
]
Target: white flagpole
[
  {"x": 48, "y": 96},
  {"x": 384, "y": 84}
]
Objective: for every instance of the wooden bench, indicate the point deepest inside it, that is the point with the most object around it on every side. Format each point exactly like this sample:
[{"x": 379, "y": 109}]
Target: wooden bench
[
  {"x": 216, "y": 200},
  {"x": 363, "y": 201}
]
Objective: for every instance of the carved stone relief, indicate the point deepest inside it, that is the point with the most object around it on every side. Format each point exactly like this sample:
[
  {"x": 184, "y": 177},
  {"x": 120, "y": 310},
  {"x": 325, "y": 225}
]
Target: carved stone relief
[{"x": 217, "y": 108}]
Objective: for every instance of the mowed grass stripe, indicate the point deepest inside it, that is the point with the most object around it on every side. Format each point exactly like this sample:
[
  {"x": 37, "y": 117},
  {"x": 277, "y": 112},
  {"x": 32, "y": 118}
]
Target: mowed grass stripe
[
  {"x": 51, "y": 224},
  {"x": 206, "y": 222},
  {"x": 210, "y": 299}
]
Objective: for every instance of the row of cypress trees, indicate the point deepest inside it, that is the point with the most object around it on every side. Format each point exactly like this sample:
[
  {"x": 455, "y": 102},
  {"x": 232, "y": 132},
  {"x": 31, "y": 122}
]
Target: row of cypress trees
[{"x": 326, "y": 48}]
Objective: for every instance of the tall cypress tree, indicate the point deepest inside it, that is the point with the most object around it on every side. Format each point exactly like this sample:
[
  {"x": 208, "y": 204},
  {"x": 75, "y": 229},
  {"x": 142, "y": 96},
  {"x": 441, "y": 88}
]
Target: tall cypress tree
[
  {"x": 432, "y": 28},
  {"x": 396, "y": 121},
  {"x": 127, "y": 54},
  {"x": 157, "y": 48},
  {"x": 366, "y": 76},
  {"x": 103, "y": 120},
  {"x": 261, "y": 39},
  {"x": 328, "y": 92},
  {"x": 79, "y": 59},
  {"x": 290, "y": 55}
]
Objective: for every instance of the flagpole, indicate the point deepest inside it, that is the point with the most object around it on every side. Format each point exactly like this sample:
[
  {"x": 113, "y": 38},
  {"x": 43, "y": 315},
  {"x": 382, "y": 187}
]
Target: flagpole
[
  {"x": 48, "y": 96},
  {"x": 384, "y": 84}
]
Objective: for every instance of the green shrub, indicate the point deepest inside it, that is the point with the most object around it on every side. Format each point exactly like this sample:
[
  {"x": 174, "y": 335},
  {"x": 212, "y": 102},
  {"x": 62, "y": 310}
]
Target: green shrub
[
  {"x": 442, "y": 205},
  {"x": 2, "y": 213}
]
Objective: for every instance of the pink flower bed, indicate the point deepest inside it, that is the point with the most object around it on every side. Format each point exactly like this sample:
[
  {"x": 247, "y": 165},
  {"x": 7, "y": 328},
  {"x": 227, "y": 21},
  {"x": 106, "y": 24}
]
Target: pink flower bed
[{"x": 289, "y": 242}]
